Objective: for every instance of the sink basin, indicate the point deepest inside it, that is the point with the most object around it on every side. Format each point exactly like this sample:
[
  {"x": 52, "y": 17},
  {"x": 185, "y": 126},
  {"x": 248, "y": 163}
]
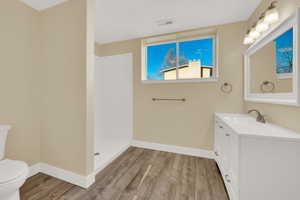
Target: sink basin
[{"x": 247, "y": 125}]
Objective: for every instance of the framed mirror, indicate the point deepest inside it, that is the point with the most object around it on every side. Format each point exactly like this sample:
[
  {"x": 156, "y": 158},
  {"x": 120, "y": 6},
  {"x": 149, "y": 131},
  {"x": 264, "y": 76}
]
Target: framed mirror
[{"x": 272, "y": 65}]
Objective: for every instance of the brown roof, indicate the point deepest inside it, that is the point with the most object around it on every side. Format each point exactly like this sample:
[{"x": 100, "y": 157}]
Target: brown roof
[{"x": 182, "y": 66}]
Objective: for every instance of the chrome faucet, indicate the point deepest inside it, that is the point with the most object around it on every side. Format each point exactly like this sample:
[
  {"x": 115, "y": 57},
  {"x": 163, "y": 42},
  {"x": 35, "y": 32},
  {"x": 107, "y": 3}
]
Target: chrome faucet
[{"x": 260, "y": 117}]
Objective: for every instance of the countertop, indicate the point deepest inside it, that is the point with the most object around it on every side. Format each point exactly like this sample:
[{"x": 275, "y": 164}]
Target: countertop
[{"x": 247, "y": 125}]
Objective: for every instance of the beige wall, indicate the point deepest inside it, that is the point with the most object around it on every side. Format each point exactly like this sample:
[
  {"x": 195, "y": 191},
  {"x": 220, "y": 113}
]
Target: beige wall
[
  {"x": 46, "y": 83},
  {"x": 188, "y": 124},
  {"x": 90, "y": 84},
  {"x": 263, "y": 69},
  {"x": 19, "y": 79},
  {"x": 286, "y": 116},
  {"x": 67, "y": 54}
]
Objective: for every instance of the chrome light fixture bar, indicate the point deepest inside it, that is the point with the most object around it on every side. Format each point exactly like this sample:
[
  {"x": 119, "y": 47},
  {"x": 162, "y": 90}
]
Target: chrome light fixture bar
[{"x": 269, "y": 17}]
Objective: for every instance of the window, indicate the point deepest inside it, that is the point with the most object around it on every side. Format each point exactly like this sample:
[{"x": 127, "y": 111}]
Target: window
[
  {"x": 180, "y": 60},
  {"x": 160, "y": 60},
  {"x": 284, "y": 53}
]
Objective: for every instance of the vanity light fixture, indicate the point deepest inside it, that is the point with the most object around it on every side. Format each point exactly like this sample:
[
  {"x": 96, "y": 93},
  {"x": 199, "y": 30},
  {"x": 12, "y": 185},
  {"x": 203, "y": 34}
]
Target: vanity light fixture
[
  {"x": 254, "y": 33},
  {"x": 262, "y": 25},
  {"x": 269, "y": 17},
  {"x": 248, "y": 39},
  {"x": 272, "y": 14}
]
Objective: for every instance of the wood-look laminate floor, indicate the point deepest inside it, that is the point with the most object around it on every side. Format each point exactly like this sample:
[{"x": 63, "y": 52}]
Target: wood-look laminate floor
[{"x": 138, "y": 174}]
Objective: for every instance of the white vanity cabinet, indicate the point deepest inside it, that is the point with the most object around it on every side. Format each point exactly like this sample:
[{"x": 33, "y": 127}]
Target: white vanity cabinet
[
  {"x": 257, "y": 161},
  {"x": 226, "y": 152}
]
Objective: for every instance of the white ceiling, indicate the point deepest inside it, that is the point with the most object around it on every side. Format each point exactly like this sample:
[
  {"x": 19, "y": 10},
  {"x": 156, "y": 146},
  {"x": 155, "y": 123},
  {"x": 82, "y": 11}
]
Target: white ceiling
[
  {"x": 127, "y": 19},
  {"x": 118, "y": 20}
]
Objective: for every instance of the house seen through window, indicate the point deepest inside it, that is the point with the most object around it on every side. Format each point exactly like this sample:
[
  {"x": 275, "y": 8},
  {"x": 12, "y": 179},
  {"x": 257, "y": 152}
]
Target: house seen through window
[{"x": 180, "y": 60}]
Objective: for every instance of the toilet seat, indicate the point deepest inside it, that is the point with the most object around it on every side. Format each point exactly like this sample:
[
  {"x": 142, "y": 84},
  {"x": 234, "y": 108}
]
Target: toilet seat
[{"x": 11, "y": 170}]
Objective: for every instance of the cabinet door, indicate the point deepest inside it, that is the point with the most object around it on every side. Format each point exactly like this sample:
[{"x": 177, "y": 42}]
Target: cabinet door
[
  {"x": 221, "y": 145},
  {"x": 226, "y": 144},
  {"x": 217, "y": 145},
  {"x": 233, "y": 161},
  {"x": 226, "y": 149}
]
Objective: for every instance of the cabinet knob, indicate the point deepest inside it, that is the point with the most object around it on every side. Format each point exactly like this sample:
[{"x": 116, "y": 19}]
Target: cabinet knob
[
  {"x": 216, "y": 153},
  {"x": 227, "y": 178},
  {"x": 227, "y": 134},
  {"x": 220, "y": 126}
]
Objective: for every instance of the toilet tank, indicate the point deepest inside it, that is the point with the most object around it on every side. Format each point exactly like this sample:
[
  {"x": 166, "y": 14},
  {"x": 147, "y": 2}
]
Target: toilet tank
[{"x": 3, "y": 134}]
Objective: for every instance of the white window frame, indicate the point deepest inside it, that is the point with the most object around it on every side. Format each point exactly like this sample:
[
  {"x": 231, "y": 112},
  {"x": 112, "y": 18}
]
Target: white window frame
[{"x": 214, "y": 78}]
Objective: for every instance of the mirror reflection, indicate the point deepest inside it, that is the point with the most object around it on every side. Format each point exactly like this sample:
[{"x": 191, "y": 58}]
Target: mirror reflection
[{"x": 272, "y": 66}]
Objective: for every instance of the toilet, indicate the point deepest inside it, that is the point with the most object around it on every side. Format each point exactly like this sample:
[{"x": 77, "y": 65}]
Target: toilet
[{"x": 13, "y": 173}]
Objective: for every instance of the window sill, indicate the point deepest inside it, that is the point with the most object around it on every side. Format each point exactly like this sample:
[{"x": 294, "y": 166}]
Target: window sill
[
  {"x": 204, "y": 80},
  {"x": 285, "y": 76}
]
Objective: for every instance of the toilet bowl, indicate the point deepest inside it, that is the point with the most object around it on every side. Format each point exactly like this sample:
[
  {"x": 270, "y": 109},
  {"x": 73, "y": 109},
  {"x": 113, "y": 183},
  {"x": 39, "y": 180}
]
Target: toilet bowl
[
  {"x": 12, "y": 176},
  {"x": 13, "y": 173}
]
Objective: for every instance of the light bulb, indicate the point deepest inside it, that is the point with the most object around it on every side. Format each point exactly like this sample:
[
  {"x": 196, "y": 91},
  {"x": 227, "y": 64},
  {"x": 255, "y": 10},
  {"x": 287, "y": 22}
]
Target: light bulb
[
  {"x": 262, "y": 26},
  {"x": 248, "y": 40},
  {"x": 254, "y": 33},
  {"x": 272, "y": 16}
]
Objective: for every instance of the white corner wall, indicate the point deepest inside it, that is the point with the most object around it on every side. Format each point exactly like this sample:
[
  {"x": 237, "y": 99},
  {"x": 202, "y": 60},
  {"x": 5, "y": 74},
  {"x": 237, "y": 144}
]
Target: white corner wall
[{"x": 113, "y": 107}]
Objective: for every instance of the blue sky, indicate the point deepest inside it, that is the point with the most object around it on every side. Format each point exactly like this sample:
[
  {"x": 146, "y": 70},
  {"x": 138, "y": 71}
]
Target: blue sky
[
  {"x": 196, "y": 49},
  {"x": 284, "y": 43},
  {"x": 155, "y": 57}
]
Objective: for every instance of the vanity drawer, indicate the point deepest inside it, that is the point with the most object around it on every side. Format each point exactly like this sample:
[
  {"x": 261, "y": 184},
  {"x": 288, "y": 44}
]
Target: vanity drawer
[
  {"x": 226, "y": 147},
  {"x": 229, "y": 181},
  {"x": 221, "y": 126},
  {"x": 223, "y": 136},
  {"x": 231, "y": 186}
]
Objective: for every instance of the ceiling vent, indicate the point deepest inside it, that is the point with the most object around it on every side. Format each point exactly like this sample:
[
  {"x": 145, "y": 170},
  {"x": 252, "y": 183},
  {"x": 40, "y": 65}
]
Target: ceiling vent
[{"x": 165, "y": 22}]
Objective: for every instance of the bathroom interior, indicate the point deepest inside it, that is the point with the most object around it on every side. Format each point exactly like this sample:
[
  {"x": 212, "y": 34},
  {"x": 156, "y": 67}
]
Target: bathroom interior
[{"x": 142, "y": 100}]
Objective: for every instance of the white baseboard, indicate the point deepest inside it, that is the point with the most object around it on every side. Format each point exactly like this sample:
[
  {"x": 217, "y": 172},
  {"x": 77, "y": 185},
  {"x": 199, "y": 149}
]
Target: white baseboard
[
  {"x": 34, "y": 169},
  {"x": 70, "y": 177},
  {"x": 86, "y": 181},
  {"x": 173, "y": 149},
  {"x": 107, "y": 162}
]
